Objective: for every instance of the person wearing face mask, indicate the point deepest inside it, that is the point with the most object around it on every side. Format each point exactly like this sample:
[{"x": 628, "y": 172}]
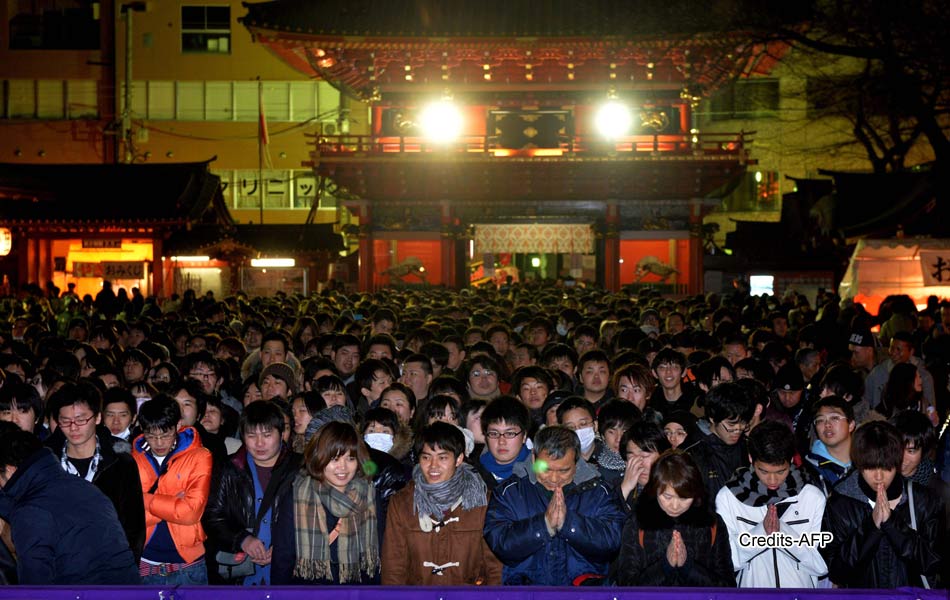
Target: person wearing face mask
[
  {"x": 577, "y": 414},
  {"x": 388, "y": 443}
]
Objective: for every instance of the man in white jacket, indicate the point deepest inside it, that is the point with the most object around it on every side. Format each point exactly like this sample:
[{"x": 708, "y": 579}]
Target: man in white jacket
[{"x": 773, "y": 517}]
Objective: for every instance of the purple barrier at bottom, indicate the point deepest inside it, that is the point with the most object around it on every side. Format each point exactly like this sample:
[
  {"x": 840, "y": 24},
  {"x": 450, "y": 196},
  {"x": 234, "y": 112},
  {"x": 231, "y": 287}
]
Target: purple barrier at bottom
[{"x": 454, "y": 593}]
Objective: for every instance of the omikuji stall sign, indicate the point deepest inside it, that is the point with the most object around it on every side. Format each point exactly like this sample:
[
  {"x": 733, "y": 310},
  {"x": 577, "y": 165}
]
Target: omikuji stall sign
[
  {"x": 110, "y": 270},
  {"x": 935, "y": 266}
]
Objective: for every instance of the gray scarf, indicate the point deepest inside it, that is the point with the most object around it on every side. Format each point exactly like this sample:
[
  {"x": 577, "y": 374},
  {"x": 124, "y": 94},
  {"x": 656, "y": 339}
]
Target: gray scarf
[{"x": 434, "y": 500}]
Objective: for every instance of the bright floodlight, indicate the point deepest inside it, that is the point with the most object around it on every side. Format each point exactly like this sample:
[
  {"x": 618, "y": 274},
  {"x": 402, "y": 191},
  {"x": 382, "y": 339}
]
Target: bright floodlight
[
  {"x": 272, "y": 262},
  {"x": 441, "y": 121},
  {"x": 613, "y": 120}
]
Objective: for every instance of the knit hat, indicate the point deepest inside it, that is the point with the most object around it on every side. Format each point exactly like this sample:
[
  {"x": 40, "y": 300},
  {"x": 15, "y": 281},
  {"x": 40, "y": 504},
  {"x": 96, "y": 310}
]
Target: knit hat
[
  {"x": 341, "y": 414},
  {"x": 281, "y": 371}
]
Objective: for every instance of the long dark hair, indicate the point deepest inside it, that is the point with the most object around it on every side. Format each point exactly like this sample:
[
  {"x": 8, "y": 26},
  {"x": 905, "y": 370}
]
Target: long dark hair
[{"x": 899, "y": 393}]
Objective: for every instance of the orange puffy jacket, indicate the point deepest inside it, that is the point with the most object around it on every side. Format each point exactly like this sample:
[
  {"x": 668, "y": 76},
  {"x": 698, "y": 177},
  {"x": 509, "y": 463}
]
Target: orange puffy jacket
[{"x": 182, "y": 491}]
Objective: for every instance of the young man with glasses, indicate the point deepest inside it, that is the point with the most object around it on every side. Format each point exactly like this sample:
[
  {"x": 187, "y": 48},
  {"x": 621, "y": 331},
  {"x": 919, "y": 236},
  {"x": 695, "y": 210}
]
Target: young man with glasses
[
  {"x": 175, "y": 471},
  {"x": 830, "y": 456},
  {"x": 505, "y": 423},
  {"x": 482, "y": 375},
  {"x": 729, "y": 409},
  {"x": 84, "y": 449}
]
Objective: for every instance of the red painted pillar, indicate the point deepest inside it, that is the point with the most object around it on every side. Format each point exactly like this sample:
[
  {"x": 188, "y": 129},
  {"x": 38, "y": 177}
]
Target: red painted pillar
[
  {"x": 612, "y": 247},
  {"x": 447, "y": 246},
  {"x": 367, "y": 259},
  {"x": 696, "y": 273},
  {"x": 158, "y": 268}
]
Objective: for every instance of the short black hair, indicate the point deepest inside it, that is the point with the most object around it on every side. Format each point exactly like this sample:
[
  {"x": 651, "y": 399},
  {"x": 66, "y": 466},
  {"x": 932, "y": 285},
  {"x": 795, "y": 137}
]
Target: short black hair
[
  {"x": 506, "y": 409},
  {"x": 553, "y": 351},
  {"x": 617, "y": 413},
  {"x": 556, "y": 441},
  {"x": 594, "y": 355},
  {"x": 161, "y": 413},
  {"x": 117, "y": 395},
  {"x": 442, "y": 436},
  {"x": 877, "y": 445},
  {"x": 435, "y": 408},
  {"x": 834, "y": 402},
  {"x": 572, "y": 403},
  {"x": 647, "y": 436},
  {"x": 16, "y": 445},
  {"x": 193, "y": 388},
  {"x": 841, "y": 380},
  {"x": 537, "y": 372},
  {"x": 668, "y": 356},
  {"x": 262, "y": 414},
  {"x": 728, "y": 401},
  {"x": 916, "y": 430},
  {"x": 772, "y": 442},
  {"x": 710, "y": 370},
  {"x": 70, "y": 393},
  {"x": 22, "y": 397},
  {"x": 383, "y": 416}
]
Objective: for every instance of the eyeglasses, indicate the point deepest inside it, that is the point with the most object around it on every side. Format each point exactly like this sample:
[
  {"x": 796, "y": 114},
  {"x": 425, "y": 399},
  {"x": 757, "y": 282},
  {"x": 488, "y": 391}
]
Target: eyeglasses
[
  {"x": 202, "y": 375},
  {"x": 583, "y": 423},
  {"x": 674, "y": 433},
  {"x": 831, "y": 419},
  {"x": 161, "y": 437},
  {"x": 78, "y": 422},
  {"x": 481, "y": 372},
  {"x": 508, "y": 435},
  {"x": 734, "y": 430}
]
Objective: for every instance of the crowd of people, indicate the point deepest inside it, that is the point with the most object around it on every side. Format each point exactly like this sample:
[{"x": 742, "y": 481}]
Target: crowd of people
[{"x": 534, "y": 434}]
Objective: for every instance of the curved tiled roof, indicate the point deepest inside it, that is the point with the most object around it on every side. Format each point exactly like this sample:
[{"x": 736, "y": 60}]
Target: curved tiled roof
[{"x": 504, "y": 18}]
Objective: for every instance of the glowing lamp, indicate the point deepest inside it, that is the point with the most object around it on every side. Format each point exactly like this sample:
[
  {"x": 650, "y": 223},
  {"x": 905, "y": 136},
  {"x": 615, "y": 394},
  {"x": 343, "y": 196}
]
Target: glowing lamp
[
  {"x": 273, "y": 262},
  {"x": 613, "y": 120},
  {"x": 6, "y": 241},
  {"x": 535, "y": 262},
  {"x": 441, "y": 121}
]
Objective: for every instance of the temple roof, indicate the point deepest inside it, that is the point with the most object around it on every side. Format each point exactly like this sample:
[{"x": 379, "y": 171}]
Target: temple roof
[
  {"x": 499, "y": 18},
  {"x": 138, "y": 194},
  {"x": 250, "y": 240}
]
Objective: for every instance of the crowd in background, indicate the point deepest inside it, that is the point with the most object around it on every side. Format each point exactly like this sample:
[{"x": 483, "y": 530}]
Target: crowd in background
[{"x": 535, "y": 434}]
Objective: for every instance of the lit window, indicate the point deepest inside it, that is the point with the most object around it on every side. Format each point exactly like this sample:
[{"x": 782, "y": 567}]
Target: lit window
[{"x": 206, "y": 29}]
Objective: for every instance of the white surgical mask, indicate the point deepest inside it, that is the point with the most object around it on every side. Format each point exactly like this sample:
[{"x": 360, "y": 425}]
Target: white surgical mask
[
  {"x": 379, "y": 441},
  {"x": 561, "y": 329},
  {"x": 586, "y": 436}
]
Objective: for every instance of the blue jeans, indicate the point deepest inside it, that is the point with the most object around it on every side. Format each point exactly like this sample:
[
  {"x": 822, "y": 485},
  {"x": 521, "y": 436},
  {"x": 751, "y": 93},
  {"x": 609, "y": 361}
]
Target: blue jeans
[{"x": 193, "y": 575}]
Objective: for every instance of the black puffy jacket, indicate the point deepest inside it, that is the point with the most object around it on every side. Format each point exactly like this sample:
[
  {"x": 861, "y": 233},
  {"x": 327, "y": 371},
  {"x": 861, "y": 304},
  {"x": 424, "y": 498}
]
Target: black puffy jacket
[
  {"x": 642, "y": 561},
  {"x": 390, "y": 477},
  {"x": 231, "y": 511},
  {"x": 863, "y": 556}
]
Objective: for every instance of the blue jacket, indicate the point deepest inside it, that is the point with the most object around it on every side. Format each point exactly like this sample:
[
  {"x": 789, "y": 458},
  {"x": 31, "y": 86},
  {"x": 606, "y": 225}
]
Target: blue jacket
[
  {"x": 516, "y": 532},
  {"x": 65, "y": 530}
]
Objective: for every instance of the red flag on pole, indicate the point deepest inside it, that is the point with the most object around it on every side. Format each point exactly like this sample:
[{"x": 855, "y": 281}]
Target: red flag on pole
[{"x": 264, "y": 137}]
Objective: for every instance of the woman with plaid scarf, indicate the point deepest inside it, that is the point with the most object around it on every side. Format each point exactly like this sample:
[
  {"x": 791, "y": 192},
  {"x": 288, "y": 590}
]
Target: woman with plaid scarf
[{"x": 326, "y": 530}]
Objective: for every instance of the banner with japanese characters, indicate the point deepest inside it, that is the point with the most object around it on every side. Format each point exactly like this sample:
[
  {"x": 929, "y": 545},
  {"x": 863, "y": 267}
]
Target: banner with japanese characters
[{"x": 935, "y": 265}]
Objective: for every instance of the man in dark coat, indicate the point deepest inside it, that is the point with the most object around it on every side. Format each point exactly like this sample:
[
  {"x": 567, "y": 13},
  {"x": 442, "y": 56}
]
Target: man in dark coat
[
  {"x": 885, "y": 527},
  {"x": 721, "y": 453},
  {"x": 65, "y": 531},
  {"x": 242, "y": 506},
  {"x": 554, "y": 522},
  {"x": 87, "y": 449}
]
